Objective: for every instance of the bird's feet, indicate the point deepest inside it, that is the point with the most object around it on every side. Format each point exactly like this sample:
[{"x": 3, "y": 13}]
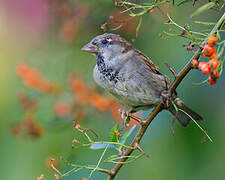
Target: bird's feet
[{"x": 165, "y": 98}]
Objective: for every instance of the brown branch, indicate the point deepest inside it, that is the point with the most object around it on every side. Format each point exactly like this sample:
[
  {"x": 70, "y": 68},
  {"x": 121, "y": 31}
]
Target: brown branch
[
  {"x": 106, "y": 171},
  {"x": 160, "y": 106},
  {"x": 136, "y": 140}
]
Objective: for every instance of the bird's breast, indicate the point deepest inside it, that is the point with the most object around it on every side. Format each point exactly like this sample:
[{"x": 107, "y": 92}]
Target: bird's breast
[{"x": 105, "y": 72}]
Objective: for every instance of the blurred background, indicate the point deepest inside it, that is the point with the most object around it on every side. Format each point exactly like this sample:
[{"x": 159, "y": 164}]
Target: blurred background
[{"x": 46, "y": 83}]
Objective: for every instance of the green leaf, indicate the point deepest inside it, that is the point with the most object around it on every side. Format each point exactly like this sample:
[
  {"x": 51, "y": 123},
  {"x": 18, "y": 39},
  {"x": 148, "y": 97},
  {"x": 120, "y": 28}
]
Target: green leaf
[
  {"x": 112, "y": 135},
  {"x": 205, "y": 23},
  {"x": 101, "y": 146},
  {"x": 127, "y": 121},
  {"x": 138, "y": 26},
  {"x": 127, "y": 134},
  {"x": 203, "y": 8},
  {"x": 183, "y": 2},
  {"x": 108, "y": 159}
]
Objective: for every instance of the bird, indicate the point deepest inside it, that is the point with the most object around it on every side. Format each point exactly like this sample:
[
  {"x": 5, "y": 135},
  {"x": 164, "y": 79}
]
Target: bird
[{"x": 132, "y": 78}]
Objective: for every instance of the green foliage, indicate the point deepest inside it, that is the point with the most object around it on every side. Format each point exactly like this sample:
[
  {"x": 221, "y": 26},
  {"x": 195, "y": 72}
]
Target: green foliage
[
  {"x": 183, "y": 2},
  {"x": 127, "y": 121},
  {"x": 113, "y": 136},
  {"x": 138, "y": 26},
  {"x": 203, "y": 8},
  {"x": 101, "y": 146},
  {"x": 115, "y": 159},
  {"x": 135, "y": 9},
  {"x": 126, "y": 135},
  {"x": 115, "y": 141}
]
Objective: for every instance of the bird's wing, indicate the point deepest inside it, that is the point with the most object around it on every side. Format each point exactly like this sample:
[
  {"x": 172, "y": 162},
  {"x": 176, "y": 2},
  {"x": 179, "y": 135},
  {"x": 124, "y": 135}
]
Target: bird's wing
[
  {"x": 142, "y": 57},
  {"x": 141, "y": 82}
]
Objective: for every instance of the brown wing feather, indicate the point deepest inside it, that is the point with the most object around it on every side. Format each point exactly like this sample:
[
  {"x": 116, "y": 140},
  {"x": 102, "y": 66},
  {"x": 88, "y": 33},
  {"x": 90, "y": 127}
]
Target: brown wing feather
[
  {"x": 148, "y": 62},
  {"x": 117, "y": 39}
]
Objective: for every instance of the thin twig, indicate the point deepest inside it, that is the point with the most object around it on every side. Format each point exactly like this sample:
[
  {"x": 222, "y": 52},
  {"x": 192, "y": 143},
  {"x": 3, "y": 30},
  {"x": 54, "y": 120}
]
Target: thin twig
[
  {"x": 197, "y": 54},
  {"x": 99, "y": 161},
  {"x": 160, "y": 106}
]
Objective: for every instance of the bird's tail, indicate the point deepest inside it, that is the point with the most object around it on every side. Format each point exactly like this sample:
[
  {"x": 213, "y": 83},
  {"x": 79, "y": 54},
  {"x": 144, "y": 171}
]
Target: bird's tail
[{"x": 182, "y": 117}]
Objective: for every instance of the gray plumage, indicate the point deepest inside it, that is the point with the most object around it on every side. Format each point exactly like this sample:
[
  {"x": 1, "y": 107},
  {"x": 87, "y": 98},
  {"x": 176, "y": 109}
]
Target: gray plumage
[{"x": 130, "y": 76}]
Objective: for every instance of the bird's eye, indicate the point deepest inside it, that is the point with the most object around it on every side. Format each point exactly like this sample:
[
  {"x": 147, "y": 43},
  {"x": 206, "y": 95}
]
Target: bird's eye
[{"x": 104, "y": 41}]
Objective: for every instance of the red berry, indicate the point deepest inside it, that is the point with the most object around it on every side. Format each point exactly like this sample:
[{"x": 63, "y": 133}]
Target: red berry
[
  {"x": 206, "y": 70},
  {"x": 212, "y": 40},
  {"x": 215, "y": 74},
  {"x": 201, "y": 64},
  {"x": 211, "y": 81},
  {"x": 208, "y": 50},
  {"x": 204, "y": 67},
  {"x": 214, "y": 63},
  {"x": 195, "y": 63},
  {"x": 214, "y": 56}
]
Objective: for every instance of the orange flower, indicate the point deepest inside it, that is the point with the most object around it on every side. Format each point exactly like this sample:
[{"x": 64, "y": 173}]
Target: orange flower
[
  {"x": 29, "y": 127},
  {"x": 99, "y": 102},
  {"x": 86, "y": 95},
  {"x": 114, "y": 110},
  {"x": 45, "y": 86},
  {"x": 36, "y": 131},
  {"x": 77, "y": 86},
  {"x": 22, "y": 70},
  {"x": 62, "y": 109},
  {"x": 71, "y": 18},
  {"x": 32, "y": 128},
  {"x": 30, "y": 76},
  {"x": 32, "y": 79},
  {"x": 27, "y": 102}
]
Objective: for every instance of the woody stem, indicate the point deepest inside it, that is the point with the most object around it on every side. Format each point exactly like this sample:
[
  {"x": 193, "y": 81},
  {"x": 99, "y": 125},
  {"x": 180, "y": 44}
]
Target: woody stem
[{"x": 160, "y": 106}]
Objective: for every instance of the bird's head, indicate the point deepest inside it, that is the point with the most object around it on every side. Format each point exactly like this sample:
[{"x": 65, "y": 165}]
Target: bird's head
[{"x": 109, "y": 46}]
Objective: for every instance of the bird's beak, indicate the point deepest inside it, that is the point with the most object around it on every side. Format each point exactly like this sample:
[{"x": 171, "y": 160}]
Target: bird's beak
[{"x": 90, "y": 48}]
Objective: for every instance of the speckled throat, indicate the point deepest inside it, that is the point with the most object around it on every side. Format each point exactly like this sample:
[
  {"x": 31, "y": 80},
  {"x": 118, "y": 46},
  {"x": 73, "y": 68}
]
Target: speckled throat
[{"x": 107, "y": 72}]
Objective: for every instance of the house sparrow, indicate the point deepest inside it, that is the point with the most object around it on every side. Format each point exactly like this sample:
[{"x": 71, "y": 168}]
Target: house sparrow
[{"x": 131, "y": 77}]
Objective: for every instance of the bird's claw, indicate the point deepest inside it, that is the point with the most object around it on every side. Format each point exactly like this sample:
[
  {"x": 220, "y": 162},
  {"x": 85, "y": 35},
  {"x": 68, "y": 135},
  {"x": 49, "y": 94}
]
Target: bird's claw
[
  {"x": 124, "y": 113},
  {"x": 128, "y": 114},
  {"x": 165, "y": 99}
]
